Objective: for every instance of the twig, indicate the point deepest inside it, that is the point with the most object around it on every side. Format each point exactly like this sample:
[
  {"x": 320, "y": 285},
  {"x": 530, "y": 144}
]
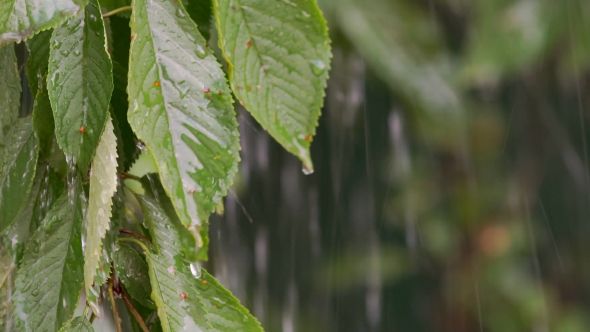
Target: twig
[
  {"x": 116, "y": 11},
  {"x": 114, "y": 306},
  {"x": 134, "y": 312},
  {"x": 132, "y": 233},
  {"x": 136, "y": 241}
]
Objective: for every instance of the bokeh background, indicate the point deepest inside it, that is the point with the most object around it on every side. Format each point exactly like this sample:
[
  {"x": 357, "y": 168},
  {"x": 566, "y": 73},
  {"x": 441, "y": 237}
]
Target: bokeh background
[{"x": 451, "y": 191}]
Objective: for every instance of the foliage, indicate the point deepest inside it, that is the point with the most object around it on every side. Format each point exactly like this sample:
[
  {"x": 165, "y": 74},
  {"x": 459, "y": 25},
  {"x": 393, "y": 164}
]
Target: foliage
[{"x": 68, "y": 222}]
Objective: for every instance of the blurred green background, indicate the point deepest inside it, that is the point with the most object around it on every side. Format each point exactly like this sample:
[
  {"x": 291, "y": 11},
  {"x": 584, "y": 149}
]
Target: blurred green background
[{"x": 451, "y": 190}]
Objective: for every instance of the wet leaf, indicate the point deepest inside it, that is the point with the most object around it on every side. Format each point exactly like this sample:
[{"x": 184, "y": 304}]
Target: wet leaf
[
  {"x": 279, "y": 57},
  {"x": 38, "y": 60},
  {"x": 7, "y": 275},
  {"x": 173, "y": 291},
  {"x": 17, "y": 170},
  {"x": 180, "y": 107},
  {"x": 21, "y": 19},
  {"x": 80, "y": 83},
  {"x": 224, "y": 311},
  {"x": 133, "y": 272},
  {"x": 78, "y": 324},
  {"x": 103, "y": 184},
  {"x": 10, "y": 88},
  {"x": 43, "y": 123},
  {"x": 51, "y": 276}
]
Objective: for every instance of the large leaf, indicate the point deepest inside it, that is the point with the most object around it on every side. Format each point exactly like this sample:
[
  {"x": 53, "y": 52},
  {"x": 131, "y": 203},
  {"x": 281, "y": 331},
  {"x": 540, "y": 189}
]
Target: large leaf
[
  {"x": 173, "y": 291},
  {"x": 224, "y": 311},
  {"x": 7, "y": 274},
  {"x": 133, "y": 273},
  {"x": 20, "y": 19},
  {"x": 78, "y": 324},
  {"x": 38, "y": 60},
  {"x": 50, "y": 278},
  {"x": 17, "y": 170},
  {"x": 103, "y": 184},
  {"x": 279, "y": 56},
  {"x": 9, "y": 93},
  {"x": 180, "y": 107},
  {"x": 80, "y": 83}
]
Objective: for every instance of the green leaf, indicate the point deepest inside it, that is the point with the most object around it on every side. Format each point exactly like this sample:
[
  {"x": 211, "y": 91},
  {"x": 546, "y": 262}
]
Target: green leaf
[
  {"x": 133, "y": 272},
  {"x": 80, "y": 83},
  {"x": 224, "y": 311},
  {"x": 21, "y": 19},
  {"x": 78, "y": 324},
  {"x": 180, "y": 107},
  {"x": 201, "y": 12},
  {"x": 279, "y": 57},
  {"x": 43, "y": 123},
  {"x": 38, "y": 60},
  {"x": 50, "y": 278},
  {"x": 103, "y": 185},
  {"x": 10, "y": 88},
  {"x": 17, "y": 171},
  {"x": 7, "y": 274},
  {"x": 173, "y": 290}
]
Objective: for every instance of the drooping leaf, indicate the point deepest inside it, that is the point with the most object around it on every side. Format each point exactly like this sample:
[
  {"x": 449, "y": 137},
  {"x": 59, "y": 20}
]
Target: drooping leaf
[
  {"x": 279, "y": 57},
  {"x": 180, "y": 107},
  {"x": 7, "y": 275},
  {"x": 44, "y": 191},
  {"x": 103, "y": 184},
  {"x": 38, "y": 60},
  {"x": 126, "y": 140},
  {"x": 21, "y": 19},
  {"x": 9, "y": 93},
  {"x": 201, "y": 12},
  {"x": 51, "y": 275},
  {"x": 224, "y": 311},
  {"x": 17, "y": 170},
  {"x": 77, "y": 324},
  {"x": 80, "y": 83},
  {"x": 173, "y": 290},
  {"x": 133, "y": 272},
  {"x": 43, "y": 123}
]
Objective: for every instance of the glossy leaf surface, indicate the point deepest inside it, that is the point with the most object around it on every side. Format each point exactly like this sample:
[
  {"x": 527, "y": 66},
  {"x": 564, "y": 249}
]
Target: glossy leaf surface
[
  {"x": 17, "y": 170},
  {"x": 133, "y": 272},
  {"x": 279, "y": 56},
  {"x": 78, "y": 324},
  {"x": 21, "y": 19},
  {"x": 38, "y": 60},
  {"x": 180, "y": 107},
  {"x": 103, "y": 184},
  {"x": 51, "y": 275},
  {"x": 173, "y": 291},
  {"x": 80, "y": 83}
]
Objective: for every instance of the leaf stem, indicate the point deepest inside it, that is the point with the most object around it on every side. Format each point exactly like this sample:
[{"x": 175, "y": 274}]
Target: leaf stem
[
  {"x": 116, "y": 11},
  {"x": 132, "y": 233},
  {"x": 136, "y": 241},
  {"x": 114, "y": 307},
  {"x": 134, "y": 312}
]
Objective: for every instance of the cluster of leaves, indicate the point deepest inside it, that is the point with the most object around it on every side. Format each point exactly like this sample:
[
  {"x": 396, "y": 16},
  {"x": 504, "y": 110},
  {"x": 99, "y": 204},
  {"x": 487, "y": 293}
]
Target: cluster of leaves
[{"x": 132, "y": 144}]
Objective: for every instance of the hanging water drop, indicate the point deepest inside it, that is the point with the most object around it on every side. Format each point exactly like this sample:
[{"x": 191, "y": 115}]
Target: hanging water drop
[
  {"x": 200, "y": 51},
  {"x": 318, "y": 67}
]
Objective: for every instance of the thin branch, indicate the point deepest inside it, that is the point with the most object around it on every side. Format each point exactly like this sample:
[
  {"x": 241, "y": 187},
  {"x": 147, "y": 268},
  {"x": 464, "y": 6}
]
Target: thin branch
[
  {"x": 134, "y": 312},
  {"x": 132, "y": 233},
  {"x": 130, "y": 176},
  {"x": 136, "y": 241},
  {"x": 114, "y": 307},
  {"x": 116, "y": 11}
]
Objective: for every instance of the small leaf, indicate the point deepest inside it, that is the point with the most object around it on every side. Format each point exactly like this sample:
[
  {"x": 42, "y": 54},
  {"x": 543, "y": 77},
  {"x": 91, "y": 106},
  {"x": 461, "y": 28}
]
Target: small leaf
[
  {"x": 38, "y": 60},
  {"x": 50, "y": 278},
  {"x": 133, "y": 272},
  {"x": 180, "y": 107},
  {"x": 78, "y": 324},
  {"x": 80, "y": 83},
  {"x": 173, "y": 291},
  {"x": 10, "y": 88},
  {"x": 103, "y": 184},
  {"x": 279, "y": 57},
  {"x": 21, "y": 19},
  {"x": 43, "y": 123},
  {"x": 17, "y": 171},
  {"x": 7, "y": 275},
  {"x": 224, "y": 311}
]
